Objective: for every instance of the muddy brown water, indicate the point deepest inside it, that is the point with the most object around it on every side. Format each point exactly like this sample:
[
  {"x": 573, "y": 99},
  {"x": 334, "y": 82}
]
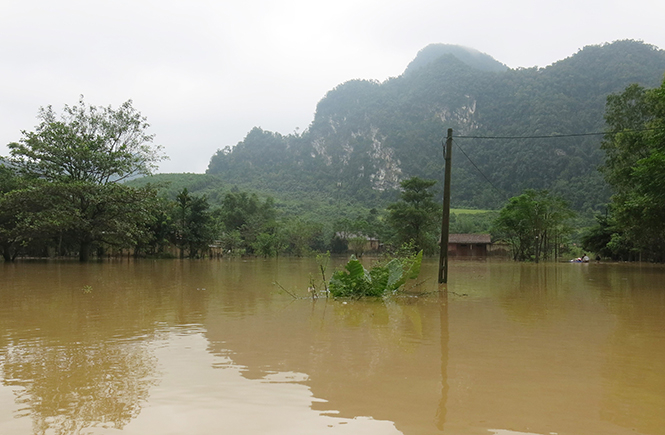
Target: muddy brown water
[{"x": 207, "y": 347}]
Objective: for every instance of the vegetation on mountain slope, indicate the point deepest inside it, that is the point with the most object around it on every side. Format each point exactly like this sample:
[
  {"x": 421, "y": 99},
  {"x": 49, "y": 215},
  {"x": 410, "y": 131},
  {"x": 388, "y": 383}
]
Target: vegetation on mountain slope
[{"x": 367, "y": 136}]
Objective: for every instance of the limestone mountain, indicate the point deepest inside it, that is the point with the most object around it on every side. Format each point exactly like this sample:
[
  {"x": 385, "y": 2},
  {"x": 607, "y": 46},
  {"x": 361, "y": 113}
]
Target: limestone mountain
[{"x": 366, "y": 136}]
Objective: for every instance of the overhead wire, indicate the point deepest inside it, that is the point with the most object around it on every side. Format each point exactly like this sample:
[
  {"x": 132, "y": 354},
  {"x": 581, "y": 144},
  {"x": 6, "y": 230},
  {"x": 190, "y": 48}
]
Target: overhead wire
[
  {"x": 551, "y": 136},
  {"x": 556, "y": 136},
  {"x": 501, "y": 192}
]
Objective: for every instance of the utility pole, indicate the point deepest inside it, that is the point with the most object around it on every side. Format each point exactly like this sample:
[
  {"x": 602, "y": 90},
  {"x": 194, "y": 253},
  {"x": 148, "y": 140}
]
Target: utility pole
[{"x": 445, "y": 221}]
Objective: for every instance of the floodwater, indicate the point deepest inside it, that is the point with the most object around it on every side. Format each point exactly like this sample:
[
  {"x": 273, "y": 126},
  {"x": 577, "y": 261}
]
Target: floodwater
[{"x": 208, "y": 347}]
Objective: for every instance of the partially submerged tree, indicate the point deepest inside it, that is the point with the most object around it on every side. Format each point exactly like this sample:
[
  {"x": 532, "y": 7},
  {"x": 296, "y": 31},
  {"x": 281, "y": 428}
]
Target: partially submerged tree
[
  {"x": 534, "y": 224},
  {"x": 635, "y": 168},
  {"x": 193, "y": 224},
  {"x": 414, "y": 218},
  {"x": 74, "y": 163},
  {"x": 249, "y": 222},
  {"x": 9, "y": 239}
]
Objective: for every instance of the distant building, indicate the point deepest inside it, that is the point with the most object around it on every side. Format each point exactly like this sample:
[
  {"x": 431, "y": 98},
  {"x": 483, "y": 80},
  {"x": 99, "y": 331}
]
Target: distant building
[
  {"x": 474, "y": 245},
  {"x": 357, "y": 242}
]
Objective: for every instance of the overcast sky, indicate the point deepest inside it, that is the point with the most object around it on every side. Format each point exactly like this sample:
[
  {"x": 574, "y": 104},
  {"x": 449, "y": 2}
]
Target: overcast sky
[{"x": 205, "y": 72}]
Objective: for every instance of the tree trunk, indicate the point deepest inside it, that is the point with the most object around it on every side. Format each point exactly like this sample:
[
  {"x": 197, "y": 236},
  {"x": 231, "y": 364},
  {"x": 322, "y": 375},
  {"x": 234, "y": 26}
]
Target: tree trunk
[
  {"x": 84, "y": 251},
  {"x": 7, "y": 253}
]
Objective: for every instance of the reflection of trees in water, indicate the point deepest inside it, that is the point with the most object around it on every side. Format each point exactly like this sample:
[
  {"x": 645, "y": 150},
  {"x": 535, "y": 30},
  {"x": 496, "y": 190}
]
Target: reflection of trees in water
[
  {"x": 525, "y": 294},
  {"x": 634, "y": 391},
  {"x": 77, "y": 337},
  {"x": 67, "y": 388},
  {"x": 74, "y": 340},
  {"x": 371, "y": 357}
]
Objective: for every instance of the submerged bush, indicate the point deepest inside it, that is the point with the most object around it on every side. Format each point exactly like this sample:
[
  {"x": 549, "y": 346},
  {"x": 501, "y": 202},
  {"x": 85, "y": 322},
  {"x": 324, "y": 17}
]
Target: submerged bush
[{"x": 356, "y": 281}]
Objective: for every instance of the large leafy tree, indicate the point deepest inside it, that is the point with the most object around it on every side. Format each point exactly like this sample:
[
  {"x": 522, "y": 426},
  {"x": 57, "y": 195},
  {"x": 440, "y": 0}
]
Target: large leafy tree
[
  {"x": 635, "y": 168},
  {"x": 534, "y": 223},
  {"x": 73, "y": 163},
  {"x": 414, "y": 217},
  {"x": 87, "y": 144}
]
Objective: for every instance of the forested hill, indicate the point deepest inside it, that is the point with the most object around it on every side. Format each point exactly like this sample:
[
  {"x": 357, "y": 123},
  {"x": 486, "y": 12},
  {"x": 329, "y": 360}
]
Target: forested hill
[{"x": 367, "y": 136}]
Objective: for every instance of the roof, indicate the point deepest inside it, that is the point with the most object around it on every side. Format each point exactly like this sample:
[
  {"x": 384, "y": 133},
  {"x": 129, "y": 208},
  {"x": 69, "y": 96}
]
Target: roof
[
  {"x": 470, "y": 239},
  {"x": 347, "y": 236}
]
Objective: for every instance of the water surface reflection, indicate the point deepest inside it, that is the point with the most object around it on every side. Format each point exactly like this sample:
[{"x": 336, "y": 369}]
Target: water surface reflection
[{"x": 157, "y": 347}]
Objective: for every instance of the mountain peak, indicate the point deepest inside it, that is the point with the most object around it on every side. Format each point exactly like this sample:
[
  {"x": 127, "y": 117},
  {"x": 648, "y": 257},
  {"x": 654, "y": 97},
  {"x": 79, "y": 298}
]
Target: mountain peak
[{"x": 469, "y": 56}]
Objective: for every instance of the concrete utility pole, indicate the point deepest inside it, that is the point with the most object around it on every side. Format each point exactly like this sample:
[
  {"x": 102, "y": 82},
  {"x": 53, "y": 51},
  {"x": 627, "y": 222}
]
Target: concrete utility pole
[{"x": 445, "y": 221}]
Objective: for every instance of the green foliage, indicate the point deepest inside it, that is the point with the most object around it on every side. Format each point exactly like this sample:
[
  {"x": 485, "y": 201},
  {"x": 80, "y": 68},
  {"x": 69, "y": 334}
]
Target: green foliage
[
  {"x": 415, "y": 216},
  {"x": 83, "y": 213},
  {"x": 8, "y": 180},
  {"x": 535, "y": 224},
  {"x": 87, "y": 144},
  {"x": 170, "y": 185},
  {"x": 634, "y": 167},
  {"x": 159, "y": 231},
  {"x": 607, "y": 239},
  {"x": 71, "y": 165},
  {"x": 253, "y": 220},
  {"x": 266, "y": 245},
  {"x": 232, "y": 243},
  {"x": 300, "y": 237},
  {"x": 194, "y": 229},
  {"x": 382, "y": 278},
  {"x": 471, "y": 221}
]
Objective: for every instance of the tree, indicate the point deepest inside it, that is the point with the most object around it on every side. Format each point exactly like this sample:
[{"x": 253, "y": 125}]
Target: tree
[
  {"x": 90, "y": 144},
  {"x": 194, "y": 224},
  {"x": 8, "y": 237},
  {"x": 8, "y": 180},
  {"x": 300, "y": 237},
  {"x": 534, "y": 224},
  {"x": 84, "y": 213},
  {"x": 74, "y": 162},
  {"x": 159, "y": 230},
  {"x": 414, "y": 218},
  {"x": 266, "y": 245},
  {"x": 635, "y": 168},
  {"x": 606, "y": 239},
  {"x": 181, "y": 236},
  {"x": 252, "y": 219}
]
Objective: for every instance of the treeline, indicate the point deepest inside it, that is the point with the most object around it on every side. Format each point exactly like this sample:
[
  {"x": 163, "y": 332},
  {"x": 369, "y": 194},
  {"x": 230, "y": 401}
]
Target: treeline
[
  {"x": 42, "y": 218},
  {"x": 62, "y": 194}
]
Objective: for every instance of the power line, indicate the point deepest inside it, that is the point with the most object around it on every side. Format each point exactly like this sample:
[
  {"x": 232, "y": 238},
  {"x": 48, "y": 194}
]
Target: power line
[
  {"x": 552, "y": 136},
  {"x": 501, "y": 192},
  {"x": 556, "y": 136}
]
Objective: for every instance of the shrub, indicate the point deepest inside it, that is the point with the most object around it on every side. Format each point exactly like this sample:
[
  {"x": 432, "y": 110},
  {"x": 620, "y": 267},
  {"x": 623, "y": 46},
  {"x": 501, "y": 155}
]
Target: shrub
[{"x": 387, "y": 276}]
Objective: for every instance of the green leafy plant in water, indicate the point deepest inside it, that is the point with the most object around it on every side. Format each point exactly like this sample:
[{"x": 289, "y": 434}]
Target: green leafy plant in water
[{"x": 383, "y": 277}]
